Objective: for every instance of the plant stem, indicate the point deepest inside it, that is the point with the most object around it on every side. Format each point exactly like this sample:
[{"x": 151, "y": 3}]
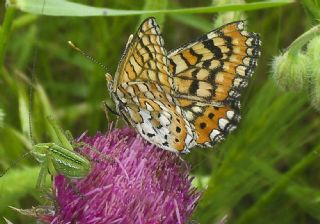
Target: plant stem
[{"x": 296, "y": 45}]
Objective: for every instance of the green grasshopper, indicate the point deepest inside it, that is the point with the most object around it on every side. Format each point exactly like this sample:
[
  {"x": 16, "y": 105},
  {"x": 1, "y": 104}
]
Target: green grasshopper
[{"x": 59, "y": 158}]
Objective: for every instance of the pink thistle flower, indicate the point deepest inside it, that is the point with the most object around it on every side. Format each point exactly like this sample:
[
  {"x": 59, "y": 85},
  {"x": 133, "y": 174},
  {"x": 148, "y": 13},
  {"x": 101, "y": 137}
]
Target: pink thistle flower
[{"x": 144, "y": 184}]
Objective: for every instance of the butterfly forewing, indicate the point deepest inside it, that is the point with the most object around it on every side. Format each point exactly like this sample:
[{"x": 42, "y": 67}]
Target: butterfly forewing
[
  {"x": 145, "y": 58},
  {"x": 216, "y": 66},
  {"x": 143, "y": 88},
  {"x": 190, "y": 96}
]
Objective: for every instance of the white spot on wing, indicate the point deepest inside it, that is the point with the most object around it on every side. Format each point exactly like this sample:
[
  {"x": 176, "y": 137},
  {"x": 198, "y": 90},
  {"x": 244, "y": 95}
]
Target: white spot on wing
[
  {"x": 196, "y": 109},
  {"x": 237, "y": 82},
  {"x": 241, "y": 70},
  {"x": 149, "y": 107},
  {"x": 142, "y": 87},
  {"x": 230, "y": 114},
  {"x": 232, "y": 128},
  {"x": 222, "y": 123},
  {"x": 189, "y": 115},
  {"x": 164, "y": 120},
  {"x": 214, "y": 134},
  {"x": 241, "y": 25},
  {"x": 246, "y": 60}
]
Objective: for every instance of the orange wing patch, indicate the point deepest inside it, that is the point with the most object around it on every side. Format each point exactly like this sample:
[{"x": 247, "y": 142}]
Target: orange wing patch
[
  {"x": 214, "y": 124},
  {"x": 211, "y": 124}
]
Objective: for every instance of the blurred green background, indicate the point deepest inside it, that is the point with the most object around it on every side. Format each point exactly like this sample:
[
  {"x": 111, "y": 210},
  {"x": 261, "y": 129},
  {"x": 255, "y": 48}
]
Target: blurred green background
[{"x": 267, "y": 171}]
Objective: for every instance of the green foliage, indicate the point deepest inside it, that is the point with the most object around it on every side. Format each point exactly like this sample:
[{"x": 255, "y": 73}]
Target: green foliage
[
  {"x": 1, "y": 117},
  {"x": 15, "y": 188},
  {"x": 267, "y": 171},
  {"x": 67, "y": 8}
]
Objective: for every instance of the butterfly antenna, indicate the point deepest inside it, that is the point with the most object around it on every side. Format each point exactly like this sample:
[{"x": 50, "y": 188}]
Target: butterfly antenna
[{"x": 87, "y": 55}]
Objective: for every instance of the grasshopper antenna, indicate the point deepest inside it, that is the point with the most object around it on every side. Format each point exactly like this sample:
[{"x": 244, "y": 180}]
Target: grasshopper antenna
[
  {"x": 31, "y": 97},
  {"x": 16, "y": 162},
  {"x": 29, "y": 117},
  {"x": 87, "y": 55}
]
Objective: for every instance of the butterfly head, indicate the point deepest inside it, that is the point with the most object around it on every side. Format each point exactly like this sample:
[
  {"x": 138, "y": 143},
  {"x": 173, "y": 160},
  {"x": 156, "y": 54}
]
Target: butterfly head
[{"x": 109, "y": 82}]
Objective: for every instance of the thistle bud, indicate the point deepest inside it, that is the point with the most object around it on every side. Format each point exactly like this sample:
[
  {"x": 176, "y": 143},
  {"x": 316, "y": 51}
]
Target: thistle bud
[
  {"x": 315, "y": 89},
  {"x": 313, "y": 53},
  {"x": 290, "y": 70}
]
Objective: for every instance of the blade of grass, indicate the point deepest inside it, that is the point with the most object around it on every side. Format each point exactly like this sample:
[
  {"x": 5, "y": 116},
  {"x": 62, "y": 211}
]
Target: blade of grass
[
  {"x": 66, "y": 8},
  {"x": 280, "y": 185},
  {"x": 307, "y": 198},
  {"x": 194, "y": 22},
  {"x": 5, "y": 32},
  {"x": 23, "y": 20}
]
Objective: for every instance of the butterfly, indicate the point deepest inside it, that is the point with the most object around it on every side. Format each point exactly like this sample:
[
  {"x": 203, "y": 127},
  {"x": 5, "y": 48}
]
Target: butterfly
[{"x": 189, "y": 96}]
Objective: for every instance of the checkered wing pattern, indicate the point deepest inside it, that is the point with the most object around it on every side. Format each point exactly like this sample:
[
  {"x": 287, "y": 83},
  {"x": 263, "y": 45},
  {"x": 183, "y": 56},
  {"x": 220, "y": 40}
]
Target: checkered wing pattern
[
  {"x": 143, "y": 91},
  {"x": 190, "y": 96},
  {"x": 145, "y": 58},
  {"x": 209, "y": 75}
]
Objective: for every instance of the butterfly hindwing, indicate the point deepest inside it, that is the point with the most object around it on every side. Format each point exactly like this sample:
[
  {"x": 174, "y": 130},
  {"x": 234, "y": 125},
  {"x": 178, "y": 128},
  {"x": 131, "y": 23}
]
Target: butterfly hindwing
[
  {"x": 153, "y": 113},
  {"x": 210, "y": 123}
]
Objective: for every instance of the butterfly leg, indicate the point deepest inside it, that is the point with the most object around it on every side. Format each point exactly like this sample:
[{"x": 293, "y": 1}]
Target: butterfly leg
[
  {"x": 107, "y": 109},
  {"x": 95, "y": 150},
  {"x": 42, "y": 176},
  {"x": 74, "y": 188}
]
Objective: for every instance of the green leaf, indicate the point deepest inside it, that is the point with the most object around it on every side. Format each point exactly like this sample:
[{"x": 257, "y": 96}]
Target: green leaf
[
  {"x": 17, "y": 184},
  {"x": 2, "y": 115},
  {"x": 66, "y": 8}
]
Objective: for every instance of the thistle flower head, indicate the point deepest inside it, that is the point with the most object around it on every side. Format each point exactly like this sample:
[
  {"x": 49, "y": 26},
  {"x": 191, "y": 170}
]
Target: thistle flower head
[{"x": 144, "y": 184}]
